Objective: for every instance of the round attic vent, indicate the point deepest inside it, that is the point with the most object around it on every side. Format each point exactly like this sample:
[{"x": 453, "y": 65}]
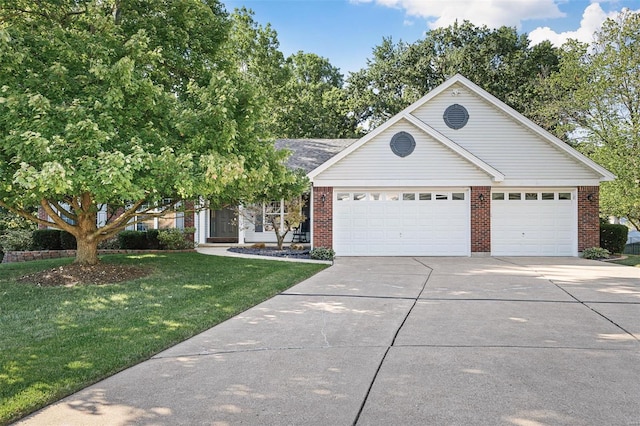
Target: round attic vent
[
  {"x": 456, "y": 116},
  {"x": 402, "y": 144}
]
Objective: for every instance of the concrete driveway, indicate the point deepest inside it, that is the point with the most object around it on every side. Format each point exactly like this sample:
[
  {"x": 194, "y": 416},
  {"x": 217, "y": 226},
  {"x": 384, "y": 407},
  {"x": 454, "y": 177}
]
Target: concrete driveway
[{"x": 400, "y": 341}]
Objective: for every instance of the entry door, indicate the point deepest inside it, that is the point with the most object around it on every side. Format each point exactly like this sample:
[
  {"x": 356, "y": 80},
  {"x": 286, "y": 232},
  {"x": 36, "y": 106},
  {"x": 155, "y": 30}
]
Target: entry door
[{"x": 223, "y": 225}]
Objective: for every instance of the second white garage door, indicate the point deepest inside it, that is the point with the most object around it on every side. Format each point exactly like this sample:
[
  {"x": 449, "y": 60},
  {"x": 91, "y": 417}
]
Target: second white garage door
[
  {"x": 401, "y": 223},
  {"x": 533, "y": 223}
]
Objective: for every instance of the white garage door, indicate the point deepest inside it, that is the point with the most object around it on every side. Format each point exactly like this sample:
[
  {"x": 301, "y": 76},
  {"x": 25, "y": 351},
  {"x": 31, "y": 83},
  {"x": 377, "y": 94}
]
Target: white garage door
[
  {"x": 401, "y": 223},
  {"x": 533, "y": 223}
]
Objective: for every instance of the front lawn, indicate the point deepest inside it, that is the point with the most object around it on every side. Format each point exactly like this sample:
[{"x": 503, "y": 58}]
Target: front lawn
[
  {"x": 57, "y": 340},
  {"x": 631, "y": 260}
]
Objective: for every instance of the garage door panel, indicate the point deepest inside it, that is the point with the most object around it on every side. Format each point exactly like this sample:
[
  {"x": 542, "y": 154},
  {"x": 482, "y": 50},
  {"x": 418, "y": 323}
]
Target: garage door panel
[
  {"x": 402, "y": 227},
  {"x": 534, "y": 227}
]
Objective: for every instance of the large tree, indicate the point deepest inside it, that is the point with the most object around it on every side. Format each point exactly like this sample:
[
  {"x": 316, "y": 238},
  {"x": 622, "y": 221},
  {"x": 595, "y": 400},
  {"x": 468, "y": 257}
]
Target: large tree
[
  {"x": 596, "y": 99},
  {"x": 134, "y": 104},
  {"x": 499, "y": 60}
]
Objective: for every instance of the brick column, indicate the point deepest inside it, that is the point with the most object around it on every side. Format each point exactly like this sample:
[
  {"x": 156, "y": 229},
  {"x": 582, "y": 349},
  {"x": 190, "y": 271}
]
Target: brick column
[
  {"x": 480, "y": 219},
  {"x": 323, "y": 216},
  {"x": 588, "y": 217}
]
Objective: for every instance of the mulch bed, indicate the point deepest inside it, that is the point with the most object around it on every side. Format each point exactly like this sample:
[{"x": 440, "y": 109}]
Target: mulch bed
[
  {"x": 272, "y": 251},
  {"x": 73, "y": 274}
]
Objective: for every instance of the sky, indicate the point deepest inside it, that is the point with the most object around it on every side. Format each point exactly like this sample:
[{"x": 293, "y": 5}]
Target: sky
[{"x": 346, "y": 31}]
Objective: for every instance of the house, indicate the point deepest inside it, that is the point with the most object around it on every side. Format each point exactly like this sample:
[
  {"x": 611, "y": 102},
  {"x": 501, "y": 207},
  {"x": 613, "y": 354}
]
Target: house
[{"x": 457, "y": 173}]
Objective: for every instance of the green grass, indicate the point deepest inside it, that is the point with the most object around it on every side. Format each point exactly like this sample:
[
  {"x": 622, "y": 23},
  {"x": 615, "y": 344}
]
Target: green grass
[
  {"x": 57, "y": 340},
  {"x": 631, "y": 260}
]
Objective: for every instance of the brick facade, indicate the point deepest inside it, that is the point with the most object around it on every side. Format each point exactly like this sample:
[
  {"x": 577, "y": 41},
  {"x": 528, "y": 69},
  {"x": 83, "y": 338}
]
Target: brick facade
[
  {"x": 323, "y": 216},
  {"x": 588, "y": 217},
  {"x": 480, "y": 219}
]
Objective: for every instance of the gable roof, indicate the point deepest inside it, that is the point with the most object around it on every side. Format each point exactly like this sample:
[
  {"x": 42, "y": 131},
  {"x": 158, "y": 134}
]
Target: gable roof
[
  {"x": 308, "y": 154},
  {"x": 496, "y": 175}
]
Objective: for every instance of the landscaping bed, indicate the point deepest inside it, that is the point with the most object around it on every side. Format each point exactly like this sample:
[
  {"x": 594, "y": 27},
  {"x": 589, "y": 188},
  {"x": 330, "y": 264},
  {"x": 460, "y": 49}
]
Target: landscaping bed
[{"x": 272, "y": 251}]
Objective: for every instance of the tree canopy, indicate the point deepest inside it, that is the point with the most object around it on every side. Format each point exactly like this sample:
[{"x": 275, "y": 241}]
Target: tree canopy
[
  {"x": 595, "y": 96},
  {"x": 133, "y": 104},
  {"x": 499, "y": 60}
]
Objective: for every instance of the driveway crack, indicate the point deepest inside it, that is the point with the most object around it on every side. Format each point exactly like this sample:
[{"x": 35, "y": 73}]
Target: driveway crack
[{"x": 393, "y": 341}]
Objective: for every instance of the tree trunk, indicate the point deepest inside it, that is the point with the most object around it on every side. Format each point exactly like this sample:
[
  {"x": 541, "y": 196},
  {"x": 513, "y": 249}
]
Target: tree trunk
[
  {"x": 87, "y": 253},
  {"x": 280, "y": 240}
]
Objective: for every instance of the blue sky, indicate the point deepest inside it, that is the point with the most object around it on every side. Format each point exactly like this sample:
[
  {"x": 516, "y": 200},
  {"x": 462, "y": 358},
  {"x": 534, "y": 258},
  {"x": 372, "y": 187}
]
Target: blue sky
[{"x": 346, "y": 31}]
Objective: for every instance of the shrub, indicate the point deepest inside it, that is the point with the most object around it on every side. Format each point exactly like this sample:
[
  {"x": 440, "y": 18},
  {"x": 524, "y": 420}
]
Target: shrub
[
  {"x": 322, "y": 253},
  {"x": 175, "y": 239},
  {"x": 133, "y": 240},
  {"x": 109, "y": 244},
  {"x": 613, "y": 237},
  {"x": 67, "y": 241},
  {"x": 153, "y": 243},
  {"x": 595, "y": 253},
  {"x": 46, "y": 239},
  {"x": 16, "y": 240}
]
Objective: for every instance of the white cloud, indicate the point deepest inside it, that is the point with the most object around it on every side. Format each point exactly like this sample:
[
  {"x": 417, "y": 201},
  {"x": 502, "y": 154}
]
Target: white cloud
[
  {"x": 492, "y": 13},
  {"x": 592, "y": 19}
]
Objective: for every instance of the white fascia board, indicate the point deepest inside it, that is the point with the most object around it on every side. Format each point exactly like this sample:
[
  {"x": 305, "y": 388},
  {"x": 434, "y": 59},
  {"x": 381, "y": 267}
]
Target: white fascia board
[
  {"x": 606, "y": 175},
  {"x": 496, "y": 175}
]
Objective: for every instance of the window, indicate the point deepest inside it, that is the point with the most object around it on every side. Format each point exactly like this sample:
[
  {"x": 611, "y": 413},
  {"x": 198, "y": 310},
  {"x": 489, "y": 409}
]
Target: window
[
  {"x": 392, "y": 196},
  {"x": 548, "y": 196},
  {"x": 408, "y": 196},
  {"x": 497, "y": 196},
  {"x": 442, "y": 196},
  {"x": 359, "y": 196},
  {"x": 375, "y": 196},
  {"x": 515, "y": 196},
  {"x": 343, "y": 196},
  {"x": 424, "y": 196},
  {"x": 457, "y": 196},
  {"x": 564, "y": 196},
  {"x": 531, "y": 196}
]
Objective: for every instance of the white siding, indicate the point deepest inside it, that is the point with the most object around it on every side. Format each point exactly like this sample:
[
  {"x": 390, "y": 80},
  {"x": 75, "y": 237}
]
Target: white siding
[
  {"x": 500, "y": 141},
  {"x": 431, "y": 160}
]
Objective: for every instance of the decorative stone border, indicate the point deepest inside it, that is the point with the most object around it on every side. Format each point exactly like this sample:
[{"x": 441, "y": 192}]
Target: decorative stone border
[{"x": 26, "y": 256}]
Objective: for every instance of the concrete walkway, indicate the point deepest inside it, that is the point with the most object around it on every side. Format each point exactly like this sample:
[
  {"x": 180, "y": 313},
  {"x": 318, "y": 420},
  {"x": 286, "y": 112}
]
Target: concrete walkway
[{"x": 400, "y": 341}]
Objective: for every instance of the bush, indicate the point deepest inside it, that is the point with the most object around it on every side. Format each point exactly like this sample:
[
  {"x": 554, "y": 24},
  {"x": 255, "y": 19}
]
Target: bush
[
  {"x": 67, "y": 241},
  {"x": 613, "y": 237},
  {"x": 175, "y": 239},
  {"x": 16, "y": 240},
  {"x": 153, "y": 243},
  {"x": 133, "y": 240},
  {"x": 46, "y": 239},
  {"x": 109, "y": 244},
  {"x": 322, "y": 253},
  {"x": 595, "y": 253}
]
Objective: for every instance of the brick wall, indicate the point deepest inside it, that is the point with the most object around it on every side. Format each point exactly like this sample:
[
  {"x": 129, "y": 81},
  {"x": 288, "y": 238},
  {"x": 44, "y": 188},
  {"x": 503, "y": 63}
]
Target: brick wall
[
  {"x": 323, "y": 217},
  {"x": 480, "y": 219},
  {"x": 588, "y": 217}
]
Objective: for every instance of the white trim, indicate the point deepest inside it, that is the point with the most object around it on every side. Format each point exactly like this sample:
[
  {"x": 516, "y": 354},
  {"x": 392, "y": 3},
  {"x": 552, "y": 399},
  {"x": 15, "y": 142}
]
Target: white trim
[
  {"x": 402, "y": 183},
  {"x": 538, "y": 183},
  {"x": 496, "y": 175},
  {"x": 606, "y": 175}
]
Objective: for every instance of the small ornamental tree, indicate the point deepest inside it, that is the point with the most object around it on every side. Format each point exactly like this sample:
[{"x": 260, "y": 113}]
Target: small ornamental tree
[
  {"x": 281, "y": 216},
  {"x": 126, "y": 105}
]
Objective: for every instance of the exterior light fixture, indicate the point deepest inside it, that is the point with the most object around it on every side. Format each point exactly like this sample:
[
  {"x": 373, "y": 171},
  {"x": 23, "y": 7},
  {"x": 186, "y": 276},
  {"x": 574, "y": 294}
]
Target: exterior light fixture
[
  {"x": 590, "y": 197},
  {"x": 323, "y": 198},
  {"x": 481, "y": 197}
]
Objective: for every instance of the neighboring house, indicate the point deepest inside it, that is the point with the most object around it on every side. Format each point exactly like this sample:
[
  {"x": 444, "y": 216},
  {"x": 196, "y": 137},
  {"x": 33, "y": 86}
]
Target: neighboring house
[{"x": 457, "y": 173}]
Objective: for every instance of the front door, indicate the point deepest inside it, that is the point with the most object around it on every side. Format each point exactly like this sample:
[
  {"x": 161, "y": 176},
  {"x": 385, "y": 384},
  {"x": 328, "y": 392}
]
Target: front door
[{"x": 224, "y": 227}]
